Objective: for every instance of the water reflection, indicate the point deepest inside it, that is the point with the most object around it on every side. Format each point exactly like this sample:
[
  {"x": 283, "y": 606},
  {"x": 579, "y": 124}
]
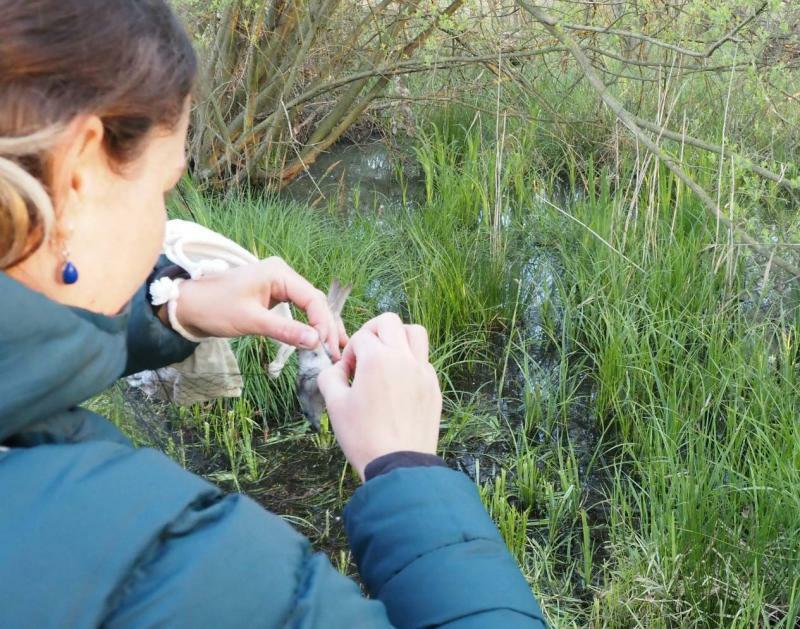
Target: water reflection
[{"x": 359, "y": 176}]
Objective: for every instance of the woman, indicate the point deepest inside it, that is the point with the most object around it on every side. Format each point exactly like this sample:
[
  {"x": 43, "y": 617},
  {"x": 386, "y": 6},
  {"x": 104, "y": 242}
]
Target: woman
[{"x": 94, "y": 101}]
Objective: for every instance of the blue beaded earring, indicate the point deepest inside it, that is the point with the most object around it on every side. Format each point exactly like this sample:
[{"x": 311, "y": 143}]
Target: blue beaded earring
[{"x": 69, "y": 274}]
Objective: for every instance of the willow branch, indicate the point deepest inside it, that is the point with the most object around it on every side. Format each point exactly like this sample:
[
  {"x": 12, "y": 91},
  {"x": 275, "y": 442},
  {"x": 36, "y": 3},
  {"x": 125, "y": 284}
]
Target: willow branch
[
  {"x": 312, "y": 152},
  {"x": 410, "y": 66},
  {"x": 553, "y": 27},
  {"x": 740, "y": 159},
  {"x": 710, "y": 50}
]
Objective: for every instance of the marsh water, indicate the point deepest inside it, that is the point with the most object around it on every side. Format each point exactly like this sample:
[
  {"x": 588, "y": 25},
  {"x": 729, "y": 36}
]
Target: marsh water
[{"x": 357, "y": 176}]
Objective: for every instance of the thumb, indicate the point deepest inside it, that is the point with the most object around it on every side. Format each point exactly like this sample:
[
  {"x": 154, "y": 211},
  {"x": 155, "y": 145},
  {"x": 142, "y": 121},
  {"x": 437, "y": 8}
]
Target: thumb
[
  {"x": 278, "y": 327},
  {"x": 333, "y": 382}
]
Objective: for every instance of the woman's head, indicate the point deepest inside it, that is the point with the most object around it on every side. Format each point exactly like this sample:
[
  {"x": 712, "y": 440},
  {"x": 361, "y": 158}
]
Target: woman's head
[{"x": 93, "y": 117}]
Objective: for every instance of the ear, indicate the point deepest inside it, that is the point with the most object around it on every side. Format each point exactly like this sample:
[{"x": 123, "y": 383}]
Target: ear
[{"x": 80, "y": 164}]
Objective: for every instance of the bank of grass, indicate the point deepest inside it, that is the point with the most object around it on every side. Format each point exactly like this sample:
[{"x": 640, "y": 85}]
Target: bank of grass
[
  {"x": 632, "y": 426},
  {"x": 694, "y": 373}
]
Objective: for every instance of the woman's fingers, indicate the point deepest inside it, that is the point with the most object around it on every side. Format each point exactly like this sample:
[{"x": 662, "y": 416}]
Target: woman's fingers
[
  {"x": 374, "y": 334},
  {"x": 289, "y": 285},
  {"x": 333, "y": 383},
  {"x": 343, "y": 338},
  {"x": 290, "y": 331},
  {"x": 361, "y": 345},
  {"x": 389, "y": 328},
  {"x": 417, "y": 337},
  {"x": 393, "y": 402}
]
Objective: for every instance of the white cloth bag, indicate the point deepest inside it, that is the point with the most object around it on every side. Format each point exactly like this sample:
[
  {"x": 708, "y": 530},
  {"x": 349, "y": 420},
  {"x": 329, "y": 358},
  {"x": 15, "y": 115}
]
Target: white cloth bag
[{"x": 211, "y": 371}]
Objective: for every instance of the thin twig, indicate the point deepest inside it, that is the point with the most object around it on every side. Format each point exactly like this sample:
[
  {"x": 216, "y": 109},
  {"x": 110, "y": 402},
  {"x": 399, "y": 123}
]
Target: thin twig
[
  {"x": 553, "y": 27},
  {"x": 710, "y": 50}
]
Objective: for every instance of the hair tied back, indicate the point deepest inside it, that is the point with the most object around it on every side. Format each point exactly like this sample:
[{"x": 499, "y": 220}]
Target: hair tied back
[{"x": 25, "y": 206}]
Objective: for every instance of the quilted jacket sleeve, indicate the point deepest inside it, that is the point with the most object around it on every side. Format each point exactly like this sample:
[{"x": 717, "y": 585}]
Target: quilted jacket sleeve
[
  {"x": 228, "y": 563},
  {"x": 427, "y": 549},
  {"x": 151, "y": 344}
]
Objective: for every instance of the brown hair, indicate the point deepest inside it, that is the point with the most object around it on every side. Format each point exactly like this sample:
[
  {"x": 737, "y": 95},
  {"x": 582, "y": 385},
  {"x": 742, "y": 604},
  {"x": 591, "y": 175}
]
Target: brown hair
[{"x": 130, "y": 62}]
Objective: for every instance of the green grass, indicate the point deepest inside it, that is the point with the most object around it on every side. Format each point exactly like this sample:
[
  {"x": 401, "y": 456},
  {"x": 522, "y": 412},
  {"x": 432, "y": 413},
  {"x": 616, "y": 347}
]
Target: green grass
[
  {"x": 697, "y": 395},
  {"x": 631, "y": 422}
]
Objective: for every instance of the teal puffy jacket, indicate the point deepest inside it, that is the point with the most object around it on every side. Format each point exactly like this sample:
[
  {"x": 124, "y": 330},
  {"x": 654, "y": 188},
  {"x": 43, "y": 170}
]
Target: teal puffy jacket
[{"x": 95, "y": 532}]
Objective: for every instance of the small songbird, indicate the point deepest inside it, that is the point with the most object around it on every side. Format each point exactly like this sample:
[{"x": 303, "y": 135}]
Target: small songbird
[{"x": 310, "y": 362}]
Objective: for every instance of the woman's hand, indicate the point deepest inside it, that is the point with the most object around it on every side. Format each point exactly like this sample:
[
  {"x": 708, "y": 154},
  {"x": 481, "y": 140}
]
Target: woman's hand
[
  {"x": 394, "y": 402},
  {"x": 237, "y": 303}
]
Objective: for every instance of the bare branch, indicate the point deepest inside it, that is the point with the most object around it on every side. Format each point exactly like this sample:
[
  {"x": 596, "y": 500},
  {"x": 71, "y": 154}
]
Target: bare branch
[
  {"x": 553, "y": 27},
  {"x": 710, "y": 50}
]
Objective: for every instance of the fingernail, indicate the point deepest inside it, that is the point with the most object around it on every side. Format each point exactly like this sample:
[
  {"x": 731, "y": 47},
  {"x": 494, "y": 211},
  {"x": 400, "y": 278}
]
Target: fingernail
[{"x": 310, "y": 338}]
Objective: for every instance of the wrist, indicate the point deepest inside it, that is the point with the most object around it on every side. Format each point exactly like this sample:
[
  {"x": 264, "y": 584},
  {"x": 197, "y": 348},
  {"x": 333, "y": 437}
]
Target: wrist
[
  {"x": 161, "y": 307},
  {"x": 163, "y": 315},
  {"x": 168, "y": 288},
  {"x": 403, "y": 458},
  {"x": 183, "y": 310}
]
